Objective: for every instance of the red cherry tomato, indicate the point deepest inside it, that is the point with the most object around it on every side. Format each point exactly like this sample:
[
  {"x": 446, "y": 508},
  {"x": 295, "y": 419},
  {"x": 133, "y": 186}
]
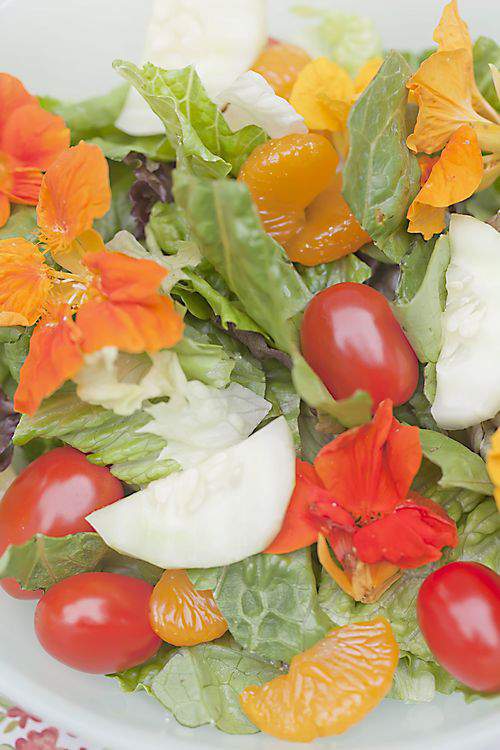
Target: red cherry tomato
[
  {"x": 97, "y": 622},
  {"x": 352, "y": 340},
  {"x": 458, "y": 610},
  {"x": 52, "y": 496}
]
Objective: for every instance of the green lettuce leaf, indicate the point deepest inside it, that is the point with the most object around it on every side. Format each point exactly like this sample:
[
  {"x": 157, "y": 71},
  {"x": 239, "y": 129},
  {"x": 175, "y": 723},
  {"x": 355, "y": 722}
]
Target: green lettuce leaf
[
  {"x": 201, "y": 685},
  {"x": 460, "y": 467},
  {"x": 479, "y": 535},
  {"x": 247, "y": 370},
  {"x": 207, "y": 362},
  {"x": 418, "y": 681},
  {"x": 270, "y": 603},
  {"x": 119, "y": 216},
  {"x": 485, "y": 52},
  {"x": 43, "y": 561},
  {"x": 15, "y": 351},
  {"x": 398, "y": 605},
  {"x": 485, "y": 204},
  {"x": 217, "y": 302},
  {"x": 347, "y": 38},
  {"x": 22, "y": 223},
  {"x": 350, "y": 268},
  {"x": 93, "y": 120},
  {"x": 420, "y": 302},
  {"x": 196, "y": 129},
  {"x": 167, "y": 225},
  {"x": 313, "y": 435},
  {"x": 381, "y": 176},
  {"x": 141, "y": 677},
  {"x": 114, "y": 562},
  {"x": 88, "y": 116},
  {"x": 226, "y": 226},
  {"x": 108, "y": 439},
  {"x": 282, "y": 395}
]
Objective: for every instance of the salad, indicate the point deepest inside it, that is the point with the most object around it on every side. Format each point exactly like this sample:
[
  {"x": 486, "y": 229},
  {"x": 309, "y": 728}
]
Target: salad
[{"x": 250, "y": 370}]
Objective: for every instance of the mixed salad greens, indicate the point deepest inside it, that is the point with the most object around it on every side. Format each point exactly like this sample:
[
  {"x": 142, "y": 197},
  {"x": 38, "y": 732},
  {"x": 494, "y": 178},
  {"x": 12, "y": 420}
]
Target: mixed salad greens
[{"x": 249, "y": 357}]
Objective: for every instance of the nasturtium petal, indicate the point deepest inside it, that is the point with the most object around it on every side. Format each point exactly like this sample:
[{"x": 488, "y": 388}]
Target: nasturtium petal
[
  {"x": 454, "y": 177},
  {"x": 34, "y": 137},
  {"x": 122, "y": 278},
  {"x": 367, "y": 73},
  {"x": 300, "y": 529},
  {"x": 12, "y": 96},
  {"x": 24, "y": 282},
  {"x": 493, "y": 465},
  {"x": 132, "y": 327},
  {"x": 72, "y": 256},
  {"x": 452, "y": 33},
  {"x": 75, "y": 191},
  {"x": 369, "y": 469},
  {"x": 323, "y": 94},
  {"x": 54, "y": 357},
  {"x": 414, "y": 534},
  {"x": 442, "y": 87}
]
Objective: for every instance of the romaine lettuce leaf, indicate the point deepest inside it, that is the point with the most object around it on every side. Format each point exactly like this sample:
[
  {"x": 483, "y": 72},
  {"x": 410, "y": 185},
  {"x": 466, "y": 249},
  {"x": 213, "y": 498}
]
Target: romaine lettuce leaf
[
  {"x": 202, "y": 684},
  {"x": 418, "y": 681},
  {"x": 93, "y": 120},
  {"x": 226, "y": 226},
  {"x": 282, "y": 395},
  {"x": 119, "y": 216},
  {"x": 8, "y": 423},
  {"x": 141, "y": 677},
  {"x": 224, "y": 222},
  {"x": 109, "y": 440},
  {"x": 420, "y": 302},
  {"x": 43, "y": 561},
  {"x": 347, "y": 38},
  {"x": 114, "y": 562},
  {"x": 381, "y": 176},
  {"x": 86, "y": 117},
  {"x": 21, "y": 223},
  {"x": 247, "y": 371},
  {"x": 460, "y": 467},
  {"x": 270, "y": 603},
  {"x": 196, "y": 129},
  {"x": 349, "y": 268},
  {"x": 485, "y": 52},
  {"x": 479, "y": 535}
]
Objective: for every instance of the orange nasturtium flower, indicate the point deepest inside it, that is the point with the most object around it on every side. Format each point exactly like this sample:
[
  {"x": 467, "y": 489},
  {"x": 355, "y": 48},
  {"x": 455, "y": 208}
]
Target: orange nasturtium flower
[
  {"x": 357, "y": 496},
  {"x": 74, "y": 192},
  {"x": 124, "y": 306},
  {"x": 116, "y": 298},
  {"x": 453, "y": 177},
  {"x": 120, "y": 306},
  {"x": 493, "y": 464},
  {"x": 447, "y": 94},
  {"x": 324, "y": 93},
  {"x": 30, "y": 140}
]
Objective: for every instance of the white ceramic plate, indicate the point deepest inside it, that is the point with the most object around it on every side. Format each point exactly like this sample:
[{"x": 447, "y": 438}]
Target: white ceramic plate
[{"x": 64, "y": 48}]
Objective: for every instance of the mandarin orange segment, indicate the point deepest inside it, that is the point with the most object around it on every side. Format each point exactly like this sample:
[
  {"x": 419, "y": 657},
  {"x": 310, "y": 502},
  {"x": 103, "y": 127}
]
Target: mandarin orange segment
[
  {"x": 329, "y": 687},
  {"x": 280, "y": 64},
  {"x": 331, "y": 230},
  {"x": 297, "y": 190},
  {"x": 183, "y": 616}
]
